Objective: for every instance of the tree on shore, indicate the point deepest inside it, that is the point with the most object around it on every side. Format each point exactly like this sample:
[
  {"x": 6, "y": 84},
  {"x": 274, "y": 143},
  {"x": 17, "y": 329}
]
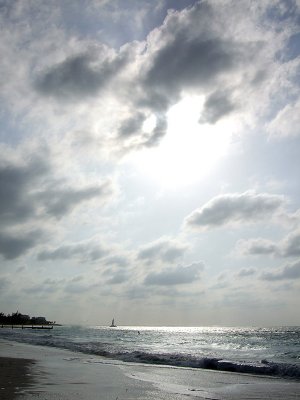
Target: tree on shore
[{"x": 22, "y": 319}]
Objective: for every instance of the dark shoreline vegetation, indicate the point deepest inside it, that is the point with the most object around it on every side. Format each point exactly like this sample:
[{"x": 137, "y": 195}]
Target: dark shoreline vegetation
[{"x": 23, "y": 319}]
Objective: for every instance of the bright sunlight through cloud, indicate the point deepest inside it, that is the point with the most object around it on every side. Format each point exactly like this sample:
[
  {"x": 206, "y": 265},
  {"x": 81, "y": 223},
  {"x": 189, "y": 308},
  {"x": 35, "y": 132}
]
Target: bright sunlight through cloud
[{"x": 189, "y": 150}]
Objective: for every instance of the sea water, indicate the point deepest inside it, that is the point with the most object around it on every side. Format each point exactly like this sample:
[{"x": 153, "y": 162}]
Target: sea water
[{"x": 268, "y": 351}]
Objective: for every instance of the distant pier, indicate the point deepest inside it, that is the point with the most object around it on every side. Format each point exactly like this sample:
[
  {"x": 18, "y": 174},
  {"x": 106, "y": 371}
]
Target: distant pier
[{"x": 27, "y": 326}]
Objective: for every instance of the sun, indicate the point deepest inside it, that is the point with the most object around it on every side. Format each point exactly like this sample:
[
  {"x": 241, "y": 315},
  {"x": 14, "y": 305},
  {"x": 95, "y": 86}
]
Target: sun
[{"x": 189, "y": 150}]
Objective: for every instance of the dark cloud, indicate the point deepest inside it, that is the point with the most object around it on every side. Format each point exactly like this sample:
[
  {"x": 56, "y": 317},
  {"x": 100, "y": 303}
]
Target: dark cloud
[
  {"x": 31, "y": 191},
  {"x": 118, "y": 277},
  {"x": 53, "y": 282},
  {"x": 28, "y": 191},
  {"x": 163, "y": 250},
  {"x": 14, "y": 245},
  {"x": 40, "y": 289},
  {"x": 132, "y": 125},
  {"x": 6, "y": 5},
  {"x": 87, "y": 251},
  {"x": 186, "y": 53},
  {"x": 244, "y": 272},
  {"x": 21, "y": 269},
  {"x": 16, "y": 182},
  {"x": 58, "y": 202},
  {"x": 184, "y": 61},
  {"x": 290, "y": 247},
  {"x": 4, "y": 283},
  {"x": 158, "y": 132},
  {"x": 79, "y": 76},
  {"x": 175, "y": 276},
  {"x": 257, "y": 246},
  {"x": 75, "y": 287},
  {"x": 136, "y": 292},
  {"x": 82, "y": 284},
  {"x": 61, "y": 253},
  {"x": 119, "y": 261},
  {"x": 26, "y": 195},
  {"x": 216, "y": 106},
  {"x": 289, "y": 272},
  {"x": 232, "y": 208}
]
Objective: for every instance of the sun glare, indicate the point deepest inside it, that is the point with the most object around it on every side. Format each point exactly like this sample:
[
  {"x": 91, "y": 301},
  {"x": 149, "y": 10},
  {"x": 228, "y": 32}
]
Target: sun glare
[{"x": 189, "y": 150}]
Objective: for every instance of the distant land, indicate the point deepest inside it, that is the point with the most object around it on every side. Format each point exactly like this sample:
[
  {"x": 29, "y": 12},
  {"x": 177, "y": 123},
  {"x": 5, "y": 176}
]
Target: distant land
[{"x": 23, "y": 319}]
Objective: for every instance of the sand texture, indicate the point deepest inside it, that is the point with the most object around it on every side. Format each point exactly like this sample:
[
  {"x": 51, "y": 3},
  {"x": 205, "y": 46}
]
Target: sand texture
[{"x": 15, "y": 377}]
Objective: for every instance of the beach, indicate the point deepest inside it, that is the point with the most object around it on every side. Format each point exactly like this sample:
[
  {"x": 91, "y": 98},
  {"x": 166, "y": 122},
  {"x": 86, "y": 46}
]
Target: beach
[
  {"x": 30, "y": 372},
  {"x": 15, "y": 375}
]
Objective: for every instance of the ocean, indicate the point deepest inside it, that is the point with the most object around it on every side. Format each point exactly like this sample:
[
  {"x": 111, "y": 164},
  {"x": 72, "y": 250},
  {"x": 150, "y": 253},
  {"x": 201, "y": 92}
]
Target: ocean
[{"x": 266, "y": 351}]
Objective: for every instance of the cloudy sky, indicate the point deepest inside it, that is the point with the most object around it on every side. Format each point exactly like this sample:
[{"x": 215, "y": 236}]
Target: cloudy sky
[{"x": 149, "y": 165}]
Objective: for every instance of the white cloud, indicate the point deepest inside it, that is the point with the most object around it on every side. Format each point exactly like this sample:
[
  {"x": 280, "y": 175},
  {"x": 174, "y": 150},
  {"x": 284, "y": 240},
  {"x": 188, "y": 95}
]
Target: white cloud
[
  {"x": 287, "y": 121},
  {"x": 237, "y": 208}
]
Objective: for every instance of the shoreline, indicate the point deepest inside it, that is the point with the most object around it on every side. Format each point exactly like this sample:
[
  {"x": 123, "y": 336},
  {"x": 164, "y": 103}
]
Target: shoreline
[{"x": 50, "y": 373}]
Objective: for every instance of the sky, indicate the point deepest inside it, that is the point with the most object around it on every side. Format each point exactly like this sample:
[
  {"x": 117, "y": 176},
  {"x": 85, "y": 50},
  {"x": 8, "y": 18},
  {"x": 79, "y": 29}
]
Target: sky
[{"x": 149, "y": 166}]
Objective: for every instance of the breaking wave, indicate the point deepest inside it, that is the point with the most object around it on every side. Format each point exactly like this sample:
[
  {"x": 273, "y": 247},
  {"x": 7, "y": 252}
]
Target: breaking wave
[
  {"x": 156, "y": 347},
  {"x": 282, "y": 370}
]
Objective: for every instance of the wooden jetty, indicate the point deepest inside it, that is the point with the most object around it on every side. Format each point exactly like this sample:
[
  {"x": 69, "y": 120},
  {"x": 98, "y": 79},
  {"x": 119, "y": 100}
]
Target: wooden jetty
[{"x": 27, "y": 326}]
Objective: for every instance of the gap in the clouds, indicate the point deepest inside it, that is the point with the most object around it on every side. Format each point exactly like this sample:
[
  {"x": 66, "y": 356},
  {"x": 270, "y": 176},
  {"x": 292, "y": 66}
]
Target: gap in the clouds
[
  {"x": 189, "y": 151},
  {"x": 292, "y": 49},
  {"x": 13, "y": 128}
]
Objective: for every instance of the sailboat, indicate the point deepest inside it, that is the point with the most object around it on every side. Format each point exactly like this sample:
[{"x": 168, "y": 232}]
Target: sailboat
[{"x": 113, "y": 325}]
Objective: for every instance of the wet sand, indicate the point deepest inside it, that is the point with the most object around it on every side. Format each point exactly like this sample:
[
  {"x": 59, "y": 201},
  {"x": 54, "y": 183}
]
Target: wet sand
[
  {"x": 15, "y": 376},
  {"x": 55, "y": 374}
]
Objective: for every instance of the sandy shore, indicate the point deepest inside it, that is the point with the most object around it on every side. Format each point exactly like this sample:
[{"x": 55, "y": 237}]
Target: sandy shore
[
  {"x": 31, "y": 372},
  {"x": 15, "y": 376}
]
